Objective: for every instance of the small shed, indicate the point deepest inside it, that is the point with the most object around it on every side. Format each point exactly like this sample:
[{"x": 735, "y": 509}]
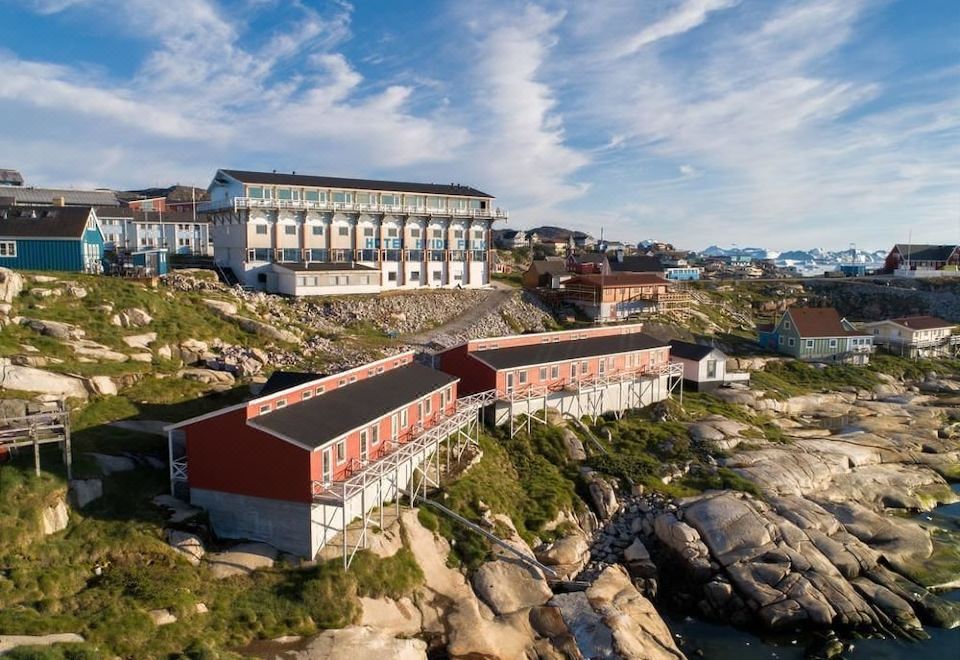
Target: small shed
[
  {"x": 153, "y": 262},
  {"x": 704, "y": 367}
]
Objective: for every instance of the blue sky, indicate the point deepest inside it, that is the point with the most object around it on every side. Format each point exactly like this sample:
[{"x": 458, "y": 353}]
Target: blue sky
[{"x": 788, "y": 124}]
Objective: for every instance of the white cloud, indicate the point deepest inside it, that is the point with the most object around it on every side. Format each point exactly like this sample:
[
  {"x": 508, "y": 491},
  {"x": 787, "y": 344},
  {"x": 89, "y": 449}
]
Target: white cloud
[{"x": 689, "y": 15}]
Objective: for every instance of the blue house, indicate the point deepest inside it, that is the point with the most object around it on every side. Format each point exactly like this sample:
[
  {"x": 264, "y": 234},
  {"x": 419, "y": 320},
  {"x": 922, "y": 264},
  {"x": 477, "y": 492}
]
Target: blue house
[{"x": 65, "y": 238}]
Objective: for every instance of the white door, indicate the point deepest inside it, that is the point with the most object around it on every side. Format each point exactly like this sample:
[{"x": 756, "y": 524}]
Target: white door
[
  {"x": 364, "y": 453},
  {"x": 509, "y": 383},
  {"x": 326, "y": 468}
]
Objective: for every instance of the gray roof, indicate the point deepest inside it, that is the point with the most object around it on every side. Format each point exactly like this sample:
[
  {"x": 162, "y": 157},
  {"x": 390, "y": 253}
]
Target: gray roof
[
  {"x": 186, "y": 217},
  {"x": 574, "y": 349},
  {"x": 686, "y": 350},
  {"x": 325, "y": 418},
  {"x": 44, "y": 196},
  {"x": 43, "y": 221},
  {"x": 921, "y": 252},
  {"x": 10, "y": 177},
  {"x": 277, "y": 178}
]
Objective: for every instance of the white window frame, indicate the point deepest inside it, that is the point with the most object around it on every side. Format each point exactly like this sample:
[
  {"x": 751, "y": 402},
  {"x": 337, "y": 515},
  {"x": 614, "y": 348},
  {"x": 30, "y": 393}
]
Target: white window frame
[{"x": 8, "y": 249}]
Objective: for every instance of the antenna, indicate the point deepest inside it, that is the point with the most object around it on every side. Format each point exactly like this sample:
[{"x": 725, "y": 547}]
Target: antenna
[{"x": 909, "y": 247}]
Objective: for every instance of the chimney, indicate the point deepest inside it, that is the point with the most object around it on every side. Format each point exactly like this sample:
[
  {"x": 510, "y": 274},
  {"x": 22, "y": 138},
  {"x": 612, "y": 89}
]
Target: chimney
[{"x": 59, "y": 201}]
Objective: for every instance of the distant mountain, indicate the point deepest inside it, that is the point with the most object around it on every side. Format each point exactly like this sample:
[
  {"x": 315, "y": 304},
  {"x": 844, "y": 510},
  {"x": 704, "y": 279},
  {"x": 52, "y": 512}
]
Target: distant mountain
[
  {"x": 813, "y": 255},
  {"x": 549, "y": 232}
]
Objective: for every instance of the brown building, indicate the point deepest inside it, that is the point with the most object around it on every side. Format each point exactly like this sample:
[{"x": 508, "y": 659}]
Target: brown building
[{"x": 622, "y": 295}]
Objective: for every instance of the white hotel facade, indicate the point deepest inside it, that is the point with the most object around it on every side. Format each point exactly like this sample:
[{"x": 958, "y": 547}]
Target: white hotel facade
[{"x": 311, "y": 235}]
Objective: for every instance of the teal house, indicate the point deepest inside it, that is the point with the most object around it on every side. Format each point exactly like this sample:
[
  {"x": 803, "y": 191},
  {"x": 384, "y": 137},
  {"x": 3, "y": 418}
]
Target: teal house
[
  {"x": 817, "y": 334},
  {"x": 64, "y": 238}
]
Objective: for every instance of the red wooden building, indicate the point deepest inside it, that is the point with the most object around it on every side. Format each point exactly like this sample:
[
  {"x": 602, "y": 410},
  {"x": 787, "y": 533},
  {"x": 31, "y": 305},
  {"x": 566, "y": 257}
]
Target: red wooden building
[
  {"x": 268, "y": 469},
  {"x": 580, "y": 372}
]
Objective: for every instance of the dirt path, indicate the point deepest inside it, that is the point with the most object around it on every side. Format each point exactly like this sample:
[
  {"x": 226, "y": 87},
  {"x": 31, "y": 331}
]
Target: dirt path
[{"x": 495, "y": 300}]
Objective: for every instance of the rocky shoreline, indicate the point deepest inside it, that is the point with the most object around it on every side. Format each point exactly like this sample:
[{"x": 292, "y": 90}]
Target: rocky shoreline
[{"x": 823, "y": 549}]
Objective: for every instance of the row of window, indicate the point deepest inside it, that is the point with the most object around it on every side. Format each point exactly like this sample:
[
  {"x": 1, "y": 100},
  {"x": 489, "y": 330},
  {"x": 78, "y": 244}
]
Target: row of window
[
  {"x": 603, "y": 365},
  {"x": 349, "y": 197},
  {"x": 295, "y": 255},
  {"x": 809, "y": 343},
  {"x": 392, "y": 232}
]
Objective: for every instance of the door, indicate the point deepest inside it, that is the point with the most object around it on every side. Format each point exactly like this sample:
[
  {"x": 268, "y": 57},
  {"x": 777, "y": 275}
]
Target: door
[
  {"x": 510, "y": 383},
  {"x": 326, "y": 467},
  {"x": 364, "y": 450}
]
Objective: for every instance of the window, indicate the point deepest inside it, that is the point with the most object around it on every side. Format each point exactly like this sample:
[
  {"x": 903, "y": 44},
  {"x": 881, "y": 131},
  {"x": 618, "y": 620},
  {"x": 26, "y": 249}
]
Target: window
[
  {"x": 585, "y": 367},
  {"x": 391, "y": 276},
  {"x": 306, "y": 395},
  {"x": 602, "y": 366},
  {"x": 426, "y": 406},
  {"x": 255, "y": 192},
  {"x": 375, "y": 434},
  {"x": 780, "y": 340},
  {"x": 833, "y": 343},
  {"x": 404, "y": 422},
  {"x": 786, "y": 324},
  {"x": 283, "y": 193},
  {"x": 290, "y": 230},
  {"x": 791, "y": 342},
  {"x": 317, "y": 230},
  {"x": 394, "y": 426},
  {"x": 341, "y": 451},
  {"x": 809, "y": 343},
  {"x": 458, "y": 233},
  {"x": 281, "y": 403},
  {"x": 320, "y": 390},
  {"x": 438, "y": 233},
  {"x": 341, "y": 197},
  {"x": 390, "y": 200},
  {"x": 353, "y": 379},
  {"x": 415, "y": 275},
  {"x": 262, "y": 230},
  {"x": 368, "y": 231},
  {"x": 711, "y": 368},
  {"x": 392, "y": 232},
  {"x": 343, "y": 231},
  {"x": 312, "y": 195},
  {"x": 415, "y": 233},
  {"x": 437, "y": 275},
  {"x": 555, "y": 371},
  {"x": 522, "y": 377},
  {"x": 341, "y": 382},
  {"x": 363, "y": 198},
  {"x": 543, "y": 373},
  {"x": 265, "y": 408}
]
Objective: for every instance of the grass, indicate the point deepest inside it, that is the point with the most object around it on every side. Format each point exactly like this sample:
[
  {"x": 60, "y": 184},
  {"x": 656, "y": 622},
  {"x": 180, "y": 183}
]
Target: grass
[
  {"x": 48, "y": 584},
  {"x": 697, "y": 405}
]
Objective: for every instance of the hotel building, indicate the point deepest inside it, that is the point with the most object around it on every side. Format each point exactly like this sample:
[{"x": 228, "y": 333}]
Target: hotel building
[{"x": 315, "y": 235}]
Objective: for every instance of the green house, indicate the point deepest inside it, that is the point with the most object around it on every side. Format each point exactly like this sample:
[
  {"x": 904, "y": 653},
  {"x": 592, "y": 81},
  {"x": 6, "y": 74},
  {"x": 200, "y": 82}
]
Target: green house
[
  {"x": 817, "y": 334},
  {"x": 65, "y": 238}
]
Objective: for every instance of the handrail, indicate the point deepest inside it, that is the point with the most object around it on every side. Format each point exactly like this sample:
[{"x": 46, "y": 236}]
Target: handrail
[{"x": 472, "y": 526}]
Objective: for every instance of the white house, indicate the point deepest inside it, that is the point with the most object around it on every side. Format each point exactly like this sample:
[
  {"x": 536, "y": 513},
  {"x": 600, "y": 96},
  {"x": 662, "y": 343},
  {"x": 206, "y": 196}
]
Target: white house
[
  {"x": 915, "y": 336},
  {"x": 704, "y": 367}
]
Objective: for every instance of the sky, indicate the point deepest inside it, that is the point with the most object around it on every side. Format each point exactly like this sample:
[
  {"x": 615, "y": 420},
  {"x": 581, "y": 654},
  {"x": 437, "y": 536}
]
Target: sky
[{"x": 778, "y": 124}]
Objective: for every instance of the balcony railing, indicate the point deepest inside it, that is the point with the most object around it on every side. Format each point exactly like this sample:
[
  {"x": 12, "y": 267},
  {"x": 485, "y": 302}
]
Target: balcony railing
[
  {"x": 237, "y": 203},
  {"x": 903, "y": 342}
]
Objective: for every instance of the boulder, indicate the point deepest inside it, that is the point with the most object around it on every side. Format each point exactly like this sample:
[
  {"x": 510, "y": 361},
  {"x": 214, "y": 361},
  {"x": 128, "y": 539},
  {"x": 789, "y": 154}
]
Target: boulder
[
  {"x": 638, "y": 631},
  {"x": 162, "y": 617},
  {"x": 573, "y": 445},
  {"x": 140, "y": 341},
  {"x": 356, "y": 642},
  {"x": 206, "y": 376},
  {"x": 90, "y": 349},
  {"x": 76, "y": 291},
  {"x": 684, "y": 540},
  {"x": 241, "y": 559},
  {"x": 55, "y": 518},
  {"x": 397, "y": 618},
  {"x": 602, "y": 494},
  {"x": 256, "y": 327},
  {"x": 84, "y": 491},
  {"x": 44, "y": 279},
  {"x": 10, "y": 642},
  {"x": 102, "y": 385},
  {"x": 30, "y": 379},
  {"x": 187, "y": 544},
  {"x": 131, "y": 318},
  {"x": 567, "y": 555},
  {"x": 55, "y": 329},
  {"x": 509, "y": 586},
  {"x": 11, "y": 284},
  {"x": 221, "y": 307},
  {"x": 192, "y": 351}
]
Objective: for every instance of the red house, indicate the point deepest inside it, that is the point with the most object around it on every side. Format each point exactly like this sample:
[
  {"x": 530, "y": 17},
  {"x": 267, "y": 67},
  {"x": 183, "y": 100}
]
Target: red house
[
  {"x": 580, "y": 372},
  {"x": 272, "y": 469}
]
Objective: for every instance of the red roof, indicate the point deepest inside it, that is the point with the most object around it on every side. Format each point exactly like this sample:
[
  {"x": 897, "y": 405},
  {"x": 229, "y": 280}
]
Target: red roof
[
  {"x": 819, "y": 322},
  {"x": 621, "y": 279},
  {"x": 922, "y": 322}
]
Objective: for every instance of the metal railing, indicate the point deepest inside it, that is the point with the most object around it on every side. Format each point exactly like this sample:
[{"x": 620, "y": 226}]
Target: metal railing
[
  {"x": 424, "y": 443},
  {"x": 237, "y": 203}
]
